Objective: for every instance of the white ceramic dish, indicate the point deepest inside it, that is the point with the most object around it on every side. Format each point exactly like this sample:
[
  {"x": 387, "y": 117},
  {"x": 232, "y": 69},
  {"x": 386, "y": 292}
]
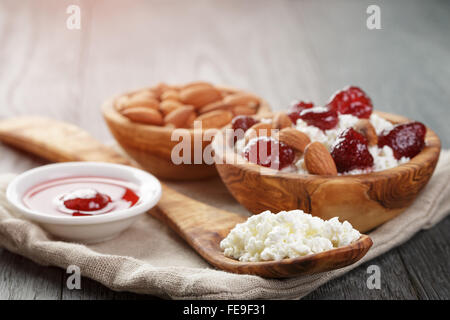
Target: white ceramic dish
[{"x": 86, "y": 229}]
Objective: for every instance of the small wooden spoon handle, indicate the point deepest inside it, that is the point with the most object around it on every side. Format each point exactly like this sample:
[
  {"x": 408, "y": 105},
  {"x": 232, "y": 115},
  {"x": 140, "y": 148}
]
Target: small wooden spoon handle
[{"x": 56, "y": 141}]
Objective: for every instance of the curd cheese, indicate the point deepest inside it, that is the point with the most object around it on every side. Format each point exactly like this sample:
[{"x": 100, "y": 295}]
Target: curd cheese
[
  {"x": 328, "y": 137},
  {"x": 383, "y": 158},
  {"x": 288, "y": 234}
]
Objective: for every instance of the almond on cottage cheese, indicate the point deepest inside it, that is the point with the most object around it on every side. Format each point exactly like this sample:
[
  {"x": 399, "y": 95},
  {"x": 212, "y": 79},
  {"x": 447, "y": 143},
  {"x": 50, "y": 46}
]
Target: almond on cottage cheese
[{"x": 288, "y": 234}]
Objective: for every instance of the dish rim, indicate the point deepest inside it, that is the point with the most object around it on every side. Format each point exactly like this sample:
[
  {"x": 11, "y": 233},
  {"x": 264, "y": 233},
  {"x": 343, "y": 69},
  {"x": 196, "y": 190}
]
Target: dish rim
[{"x": 146, "y": 182}]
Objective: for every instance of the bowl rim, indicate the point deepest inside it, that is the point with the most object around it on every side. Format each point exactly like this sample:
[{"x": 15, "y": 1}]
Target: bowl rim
[
  {"x": 427, "y": 155},
  {"x": 108, "y": 110},
  {"x": 146, "y": 200}
]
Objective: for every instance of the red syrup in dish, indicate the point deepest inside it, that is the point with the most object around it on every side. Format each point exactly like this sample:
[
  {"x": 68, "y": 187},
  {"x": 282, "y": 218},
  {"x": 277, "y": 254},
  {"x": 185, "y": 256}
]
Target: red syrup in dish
[{"x": 81, "y": 196}]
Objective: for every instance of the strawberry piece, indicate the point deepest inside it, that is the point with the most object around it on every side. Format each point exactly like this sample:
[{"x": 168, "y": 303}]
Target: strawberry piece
[
  {"x": 296, "y": 108},
  {"x": 269, "y": 152},
  {"x": 406, "y": 140},
  {"x": 351, "y": 152},
  {"x": 130, "y": 196},
  {"x": 352, "y": 100},
  {"x": 243, "y": 122},
  {"x": 90, "y": 204},
  {"x": 322, "y": 118}
]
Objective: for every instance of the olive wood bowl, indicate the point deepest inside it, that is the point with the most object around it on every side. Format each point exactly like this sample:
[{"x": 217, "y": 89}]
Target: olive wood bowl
[
  {"x": 365, "y": 200},
  {"x": 151, "y": 145}
]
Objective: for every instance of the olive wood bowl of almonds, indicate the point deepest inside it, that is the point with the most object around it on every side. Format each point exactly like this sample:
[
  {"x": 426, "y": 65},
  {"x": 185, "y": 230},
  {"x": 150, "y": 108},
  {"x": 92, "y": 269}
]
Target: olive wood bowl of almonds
[
  {"x": 143, "y": 121},
  {"x": 365, "y": 200}
]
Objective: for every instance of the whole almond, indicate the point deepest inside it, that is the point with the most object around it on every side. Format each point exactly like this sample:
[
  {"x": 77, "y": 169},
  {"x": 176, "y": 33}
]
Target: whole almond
[
  {"x": 180, "y": 116},
  {"x": 200, "y": 96},
  {"x": 159, "y": 89},
  {"x": 140, "y": 100},
  {"x": 226, "y": 90},
  {"x": 243, "y": 110},
  {"x": 294, "y": 138},
  {"x": 366, "y": 128},
  {"x": 144, "y": 115},
  {"x": 190, "y": 120},
  {"x": 281, "y": 120},
  {"x": 169, "y": 125},
  {"x": 197, "y": 84},
  {"x": 218, "y": 105},
  {"x": 170, "y": 94},
  {"x": 120, "y": 102},
  {"x": 268, "y": 115},
  {"x": 258, "y": 130},
  {"x": 318, "y": 160},
  {"x": 241, "y": 98},
  {"x": 144, "y": 94},
  {"x": 215, "y": 119},
  {"x": 167, "y": 106}
]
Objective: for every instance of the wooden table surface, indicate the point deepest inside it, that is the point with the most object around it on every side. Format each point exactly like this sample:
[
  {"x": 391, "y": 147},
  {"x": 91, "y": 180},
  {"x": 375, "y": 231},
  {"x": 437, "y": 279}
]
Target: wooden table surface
[{"x": 282, "y": 50}]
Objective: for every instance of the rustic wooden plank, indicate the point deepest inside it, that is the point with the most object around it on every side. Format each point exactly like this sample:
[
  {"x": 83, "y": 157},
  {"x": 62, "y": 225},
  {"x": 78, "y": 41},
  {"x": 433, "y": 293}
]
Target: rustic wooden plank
[
  {"x": 408, "y": 272},
  {"x": 40, "y": 63},
  {"x": 427, "y": 261},
  {"x": 395, "y": 283},
  {"x": 281, "y": 50},
  {"x": 22, "y": 279}
]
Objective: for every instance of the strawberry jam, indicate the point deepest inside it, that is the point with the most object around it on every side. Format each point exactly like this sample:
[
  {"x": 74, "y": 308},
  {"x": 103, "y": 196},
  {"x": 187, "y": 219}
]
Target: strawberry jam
[
  {"x": 406, "y": 140},
  {"x": 243, "y": 122},
  {"x": 350, "y": 152},
  {"x": 352, "y": 100},
  {"x": 321, "y": 118},
  {"x": 81, "y": 196},
  {"x": 297, "y": 108},
  {"x": 269, "y": 152}
]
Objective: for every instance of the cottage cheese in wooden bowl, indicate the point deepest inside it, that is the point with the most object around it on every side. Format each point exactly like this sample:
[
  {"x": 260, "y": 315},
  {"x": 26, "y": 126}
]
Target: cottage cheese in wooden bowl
[{"x": 342, "y": 159}]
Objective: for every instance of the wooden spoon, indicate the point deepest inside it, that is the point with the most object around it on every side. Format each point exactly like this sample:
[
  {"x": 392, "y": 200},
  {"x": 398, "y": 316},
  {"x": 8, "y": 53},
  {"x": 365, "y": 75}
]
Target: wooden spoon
[{"x": 201, "y": 225}]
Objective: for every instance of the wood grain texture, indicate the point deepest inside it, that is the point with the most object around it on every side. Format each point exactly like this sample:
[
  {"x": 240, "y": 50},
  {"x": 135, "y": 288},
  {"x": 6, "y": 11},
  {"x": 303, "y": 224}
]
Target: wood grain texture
[
  {"x": 366, "y": 201},
  {"x": 428, "y": 276},
  {"x": 151, "y": 146},
  {"x": 408, "y": 272},
  {"x": 21, "y": 279},
  {"x": 39, "y": 136},
  {"x": 309, "y": 49},
  {"x": 355, "y": 287},
  {"x": 201, "y": 225}
]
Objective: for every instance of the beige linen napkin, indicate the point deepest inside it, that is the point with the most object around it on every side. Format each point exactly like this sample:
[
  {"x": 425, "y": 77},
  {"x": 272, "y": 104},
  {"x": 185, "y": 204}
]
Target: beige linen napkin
[{"x": 149, "y": 258}]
